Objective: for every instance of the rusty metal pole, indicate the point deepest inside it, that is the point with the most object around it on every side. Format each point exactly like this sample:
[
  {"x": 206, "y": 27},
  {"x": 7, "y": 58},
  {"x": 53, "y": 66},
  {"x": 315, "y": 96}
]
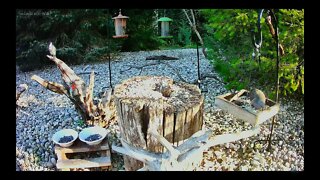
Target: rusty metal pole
[
  {"x": 199, "y": 75},
  {"x": 110, "y": 82},
  {"x": 269, "y": 139},
  {"x": 277, "y": 75}
]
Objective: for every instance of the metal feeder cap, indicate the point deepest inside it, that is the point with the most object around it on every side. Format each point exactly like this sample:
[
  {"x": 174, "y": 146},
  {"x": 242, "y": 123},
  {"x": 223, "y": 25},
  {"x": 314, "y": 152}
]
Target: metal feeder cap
[
  {"x": 165, "y": 19},
  {"x": 120, "y": 17}
]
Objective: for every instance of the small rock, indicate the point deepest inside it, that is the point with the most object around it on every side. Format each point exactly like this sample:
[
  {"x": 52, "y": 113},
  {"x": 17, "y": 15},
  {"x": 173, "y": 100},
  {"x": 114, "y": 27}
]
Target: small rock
[
  {"x": 49, "y": 165},
  {"x": 53, "y": 161},
  {"x": 280, "y": 143},
  {"x": 244, "y": 168},
  {"x": 255, "y": 163},
  {"x": 218, "y": 153},
  {"x": 64, "y": 123}
]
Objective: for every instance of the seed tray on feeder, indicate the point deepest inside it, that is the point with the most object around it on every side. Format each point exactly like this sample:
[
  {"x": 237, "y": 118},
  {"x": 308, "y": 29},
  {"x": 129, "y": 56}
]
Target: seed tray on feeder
[{"x": 238, "y": 104}]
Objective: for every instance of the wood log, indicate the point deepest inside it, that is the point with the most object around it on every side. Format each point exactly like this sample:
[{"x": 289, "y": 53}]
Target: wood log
[{"x": 175, "y": 109}]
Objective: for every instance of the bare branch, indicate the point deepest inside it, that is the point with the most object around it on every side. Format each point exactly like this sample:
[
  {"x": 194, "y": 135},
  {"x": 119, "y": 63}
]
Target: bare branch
[
  {"x": 89, "y": 95},
  {"x": 152, "y": 64},
  {"x": 139, "y": 154},
  {"x": 144, "y": 168},
  {"x": 196, "y": 140},
  {"x": 226, "y": 138},
  {"x": 176, "y": 71},
  {"x": 52, "y": 86},
  {"x": 70, "y": 77},
  {"x": 22, "y": 88},
  {"x": 106, "y": 98},
  {"x": 185, "y": 12},
  {"x": 193, "y": 18},
  {"x": 164, "y": 142},
  {"x": 193, "y": 26}
]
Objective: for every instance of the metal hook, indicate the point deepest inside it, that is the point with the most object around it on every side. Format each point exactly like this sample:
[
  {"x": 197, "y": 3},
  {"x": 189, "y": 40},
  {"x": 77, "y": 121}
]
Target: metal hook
[{"x": 258, "y": 44}]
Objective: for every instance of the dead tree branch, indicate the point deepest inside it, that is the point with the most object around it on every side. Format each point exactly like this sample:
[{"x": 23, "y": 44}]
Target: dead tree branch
[
  {"x": 194, "y": 27},
  {"x": 22, "y": 88},
  {"x": 153, "y": 64},
  {"x": 180, "y": 158},
  {"x": 75, "y": 89}
]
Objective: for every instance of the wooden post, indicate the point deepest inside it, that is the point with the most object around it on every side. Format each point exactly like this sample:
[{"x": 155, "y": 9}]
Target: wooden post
[{"x": 175, "y": 109}]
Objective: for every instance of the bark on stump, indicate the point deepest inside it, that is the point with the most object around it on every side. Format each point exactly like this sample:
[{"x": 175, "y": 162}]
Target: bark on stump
[{"x": 174, "y": 108}]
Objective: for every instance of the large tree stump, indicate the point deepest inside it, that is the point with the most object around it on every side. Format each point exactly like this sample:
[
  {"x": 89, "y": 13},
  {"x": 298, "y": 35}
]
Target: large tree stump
[{"x": 174, "y": 108}]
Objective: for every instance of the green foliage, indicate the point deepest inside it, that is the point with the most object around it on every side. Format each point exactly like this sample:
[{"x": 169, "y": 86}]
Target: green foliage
[
  {"x": 80, "y": 122},
  {"x": 80, "y": 35},
  {"x": 142, "y": 32},
  {"x": 229, "y": 40},
  {"x": 184, "y": 36},
  {"x": 34, "y": 57},
  {"x": 95, "y": 53}
]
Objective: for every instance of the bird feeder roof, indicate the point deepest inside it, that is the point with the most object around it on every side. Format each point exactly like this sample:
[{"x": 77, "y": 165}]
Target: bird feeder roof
[
  {"x": 120, "y": 16},
  {"x": 165, "y": 19}
]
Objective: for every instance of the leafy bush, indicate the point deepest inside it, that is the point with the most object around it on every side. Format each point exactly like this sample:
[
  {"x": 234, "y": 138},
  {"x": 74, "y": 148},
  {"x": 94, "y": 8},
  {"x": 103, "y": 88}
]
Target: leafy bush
[
  {"x": 184, "y": 36},
  {"x": 229, "y": 40},
  {"x": 141, "y": 30}
]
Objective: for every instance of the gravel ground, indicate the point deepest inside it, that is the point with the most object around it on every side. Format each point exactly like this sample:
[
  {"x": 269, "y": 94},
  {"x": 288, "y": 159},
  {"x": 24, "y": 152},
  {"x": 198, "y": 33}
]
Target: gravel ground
[{"x": 42, "y": 113}]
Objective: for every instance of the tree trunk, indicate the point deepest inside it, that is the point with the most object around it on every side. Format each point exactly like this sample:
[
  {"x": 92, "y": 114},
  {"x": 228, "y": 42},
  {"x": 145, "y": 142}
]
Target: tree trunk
[{"x": 174, "y": 108}]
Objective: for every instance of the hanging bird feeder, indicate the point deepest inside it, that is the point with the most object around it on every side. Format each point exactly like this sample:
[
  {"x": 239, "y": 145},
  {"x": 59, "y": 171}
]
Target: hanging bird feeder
[
  {"x": 120, "y": 23},
  {"x": 165, "y": 27}
]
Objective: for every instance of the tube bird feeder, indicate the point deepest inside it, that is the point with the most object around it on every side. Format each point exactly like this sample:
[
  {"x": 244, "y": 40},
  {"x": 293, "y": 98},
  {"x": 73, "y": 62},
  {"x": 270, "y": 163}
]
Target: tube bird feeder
[
  {"x": 120, "y": 23},
  {"x": 165, "y": 27}
]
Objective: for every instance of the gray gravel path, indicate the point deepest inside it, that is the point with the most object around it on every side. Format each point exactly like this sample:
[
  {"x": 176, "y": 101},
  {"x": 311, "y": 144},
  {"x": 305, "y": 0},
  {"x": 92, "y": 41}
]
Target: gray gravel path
[{"x": 43, "y": 112}]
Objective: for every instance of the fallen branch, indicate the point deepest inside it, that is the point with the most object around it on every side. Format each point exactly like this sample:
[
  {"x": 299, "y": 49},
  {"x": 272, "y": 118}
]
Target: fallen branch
[
  {"x": 22, "y": 88},
  {"x": 209, "y": 77},
  {"x": 152, "y": 64},
  {"x": 183, "y": 157},
  {"x": 161, "y": 57},
  {"x": 176, "y": 71},
  {"x": 87, "y": 72},
  {"x": 52, "y": 86},
  {"x": 139, "y": 67},
  {"x": 25, "y": 113}
]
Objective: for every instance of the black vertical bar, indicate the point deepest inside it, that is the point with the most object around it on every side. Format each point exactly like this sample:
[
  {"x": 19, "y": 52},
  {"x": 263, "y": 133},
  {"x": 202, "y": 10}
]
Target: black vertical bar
[
  {"x": 109, "y": 51},
  {"x": 198, "y": 65},
  {"x": 109, "y": 70},
  {"x": 277, "y": 75}
]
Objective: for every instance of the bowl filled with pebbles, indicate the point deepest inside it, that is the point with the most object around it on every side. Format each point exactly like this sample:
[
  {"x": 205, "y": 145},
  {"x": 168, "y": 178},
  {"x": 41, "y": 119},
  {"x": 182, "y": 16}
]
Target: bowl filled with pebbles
[
  {"x": 65, "y": 137},
  {"x": 93, "y": 135}
]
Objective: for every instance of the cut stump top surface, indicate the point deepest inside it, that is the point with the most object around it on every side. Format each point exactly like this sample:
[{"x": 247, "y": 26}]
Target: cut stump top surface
[{"x": 177, "y": 96}]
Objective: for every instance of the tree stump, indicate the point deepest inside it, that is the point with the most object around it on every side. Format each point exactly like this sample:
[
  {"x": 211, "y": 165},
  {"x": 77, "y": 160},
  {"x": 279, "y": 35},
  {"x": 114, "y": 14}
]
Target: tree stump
[{"x": 174, "y": 108}]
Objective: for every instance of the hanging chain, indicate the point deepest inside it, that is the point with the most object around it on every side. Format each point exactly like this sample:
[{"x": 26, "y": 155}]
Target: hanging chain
[{"x": 257, "y": 44}]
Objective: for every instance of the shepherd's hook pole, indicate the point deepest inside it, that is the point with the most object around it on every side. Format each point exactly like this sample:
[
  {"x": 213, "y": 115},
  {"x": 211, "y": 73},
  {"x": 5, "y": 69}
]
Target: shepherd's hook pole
[
  {"x": 199, "y": 76},
  {"x": 277, "y": 85},
  {"x": 109, "y": 51}
]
